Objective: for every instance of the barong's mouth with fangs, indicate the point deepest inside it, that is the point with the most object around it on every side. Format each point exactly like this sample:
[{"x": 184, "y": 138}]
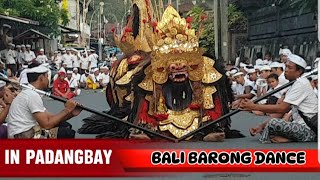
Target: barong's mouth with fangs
[{"x": 178, "y": 72}]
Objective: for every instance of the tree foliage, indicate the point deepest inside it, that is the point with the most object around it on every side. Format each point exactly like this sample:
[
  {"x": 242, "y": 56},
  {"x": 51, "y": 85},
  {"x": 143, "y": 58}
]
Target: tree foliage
[
  {"x": 207, "y": 38},
  {"x": 47, "y": 12},
  {"x": 236, "y": 18},
  {"x": 236, "y": 21}
]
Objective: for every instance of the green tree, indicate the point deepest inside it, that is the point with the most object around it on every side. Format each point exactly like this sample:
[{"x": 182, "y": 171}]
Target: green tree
[
  {"x": 207, "y": 38},
  {"x": 236, "y": 18},
  {"x": 236, "y": 21},
  {"x": 47, "y": 12}
]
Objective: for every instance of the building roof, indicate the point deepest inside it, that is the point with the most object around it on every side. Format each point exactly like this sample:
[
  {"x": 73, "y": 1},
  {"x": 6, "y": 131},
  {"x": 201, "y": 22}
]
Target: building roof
[
  {"x": 19, "y": 19},
  {"x": 29, "y": 33},
  {"x": 65, "y": 29}
]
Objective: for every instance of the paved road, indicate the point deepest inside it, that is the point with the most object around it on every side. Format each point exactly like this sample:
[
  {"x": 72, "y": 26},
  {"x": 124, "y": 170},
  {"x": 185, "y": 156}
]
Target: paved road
[{"x": 241, "y": 121}]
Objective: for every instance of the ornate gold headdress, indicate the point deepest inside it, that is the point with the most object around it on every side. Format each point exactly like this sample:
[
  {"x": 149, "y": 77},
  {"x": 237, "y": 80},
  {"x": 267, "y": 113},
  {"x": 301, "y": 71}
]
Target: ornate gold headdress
[
  {"x": 173, "y": 41},
  {"x": 173, "y": 33},
  {"x": 125, "y": 40}
]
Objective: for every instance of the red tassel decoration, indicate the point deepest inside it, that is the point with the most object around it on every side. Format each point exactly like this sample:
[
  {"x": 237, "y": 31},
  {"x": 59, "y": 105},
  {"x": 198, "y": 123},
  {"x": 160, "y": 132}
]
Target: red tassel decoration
[
  {"x": 154, "y": 24},
  {"x": 217, "y": 111},
  {"x": 189, "y": 19},
  {"x": 143, "y": 114},
  {"x": 203, "y": 17}
]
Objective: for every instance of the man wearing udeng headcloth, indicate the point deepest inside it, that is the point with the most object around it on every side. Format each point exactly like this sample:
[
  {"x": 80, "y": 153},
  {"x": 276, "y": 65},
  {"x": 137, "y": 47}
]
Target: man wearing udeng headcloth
[{"x": 28, "y": 118}]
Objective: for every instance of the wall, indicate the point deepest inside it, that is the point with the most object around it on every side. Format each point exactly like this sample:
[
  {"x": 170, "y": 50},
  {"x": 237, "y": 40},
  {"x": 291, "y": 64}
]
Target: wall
[{"x": 272, "y": 27}]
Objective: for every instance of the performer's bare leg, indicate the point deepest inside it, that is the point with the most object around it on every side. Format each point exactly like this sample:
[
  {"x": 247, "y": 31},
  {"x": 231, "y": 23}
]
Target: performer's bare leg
[
  {"x": 279, "y": 139},
  {"x": 140, "y": 136},
  {"x": 215, "y": 137},
  {"x": 254, "y": 131}
]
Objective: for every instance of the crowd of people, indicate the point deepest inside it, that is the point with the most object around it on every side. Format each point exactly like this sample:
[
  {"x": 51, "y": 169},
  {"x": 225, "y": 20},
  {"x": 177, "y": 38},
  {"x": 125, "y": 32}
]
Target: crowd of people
[
  {"x": 291, "y": 110},
  {"x": 76, "y": 69}
]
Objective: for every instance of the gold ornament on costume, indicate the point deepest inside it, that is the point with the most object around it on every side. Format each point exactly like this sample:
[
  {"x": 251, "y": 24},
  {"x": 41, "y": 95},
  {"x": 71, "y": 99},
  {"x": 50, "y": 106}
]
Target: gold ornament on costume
[
  {"x": 125, "y": 40},
  {"x": 211, "y": 75},
  {"x": 173, "y": 33}
]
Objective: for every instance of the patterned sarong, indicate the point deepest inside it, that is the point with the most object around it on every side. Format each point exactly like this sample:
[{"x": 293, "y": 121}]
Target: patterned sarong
[{"x": 290, "y": 130}]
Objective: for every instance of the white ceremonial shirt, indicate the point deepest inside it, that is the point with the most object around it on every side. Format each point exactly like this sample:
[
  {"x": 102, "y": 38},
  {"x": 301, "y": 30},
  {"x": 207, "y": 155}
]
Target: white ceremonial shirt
[
  {"x": 9, "y": 56},
  {"x": 259, "y": 62},
  {"x": 20, "y": 117},
  {"x": 105, "y": 78},
  {"x": 77, "y": 77},
  {"x": 93, "y": 60},
  {"x": 29, "y": 56},
  {"x": 83, "y": 78},
  {"x": 84, "y": 63},
  {"x": 42, "y": 59},
  {"x": 23, "y": 77},
  {"x": 75, "y": 60},
  {"x": 72, "y": 82},
  {"x": 302, "y": 97},
  {"x": 67, "y": 58}
]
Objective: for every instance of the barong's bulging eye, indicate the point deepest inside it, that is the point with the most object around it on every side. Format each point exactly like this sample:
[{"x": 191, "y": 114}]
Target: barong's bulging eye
[
  {"x": 160, "y": 69},
  {"x": 195, "y": 66}
]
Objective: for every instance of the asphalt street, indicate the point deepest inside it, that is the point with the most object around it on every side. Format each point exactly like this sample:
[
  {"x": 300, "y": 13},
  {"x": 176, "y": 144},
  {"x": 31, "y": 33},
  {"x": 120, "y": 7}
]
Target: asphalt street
[{"x": 241, "y": 121}]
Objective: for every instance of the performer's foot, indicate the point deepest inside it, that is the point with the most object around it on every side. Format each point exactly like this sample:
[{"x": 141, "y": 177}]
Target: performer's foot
[
  {"x": 140, "y": 136},
  {"x": 214, "y": 137},
  {"x": 256, "y": 130}
]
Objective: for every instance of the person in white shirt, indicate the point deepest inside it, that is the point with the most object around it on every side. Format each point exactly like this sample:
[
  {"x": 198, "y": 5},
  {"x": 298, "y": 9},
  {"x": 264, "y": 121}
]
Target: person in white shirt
[
  {"x": 9, "y": 56},
  {"x": 243, "y": 87},
  {"x": 93, "y": 61},
  {"x": 20, "y": 57},
  {"x": 75, "y": 58},
  {"x": 104, "y": 76},
  {"x": 76, "y": 75},
  {"x": 84, "y": 63},
  {"x": 28, "y": 54},
  {"x": 253, "y": 76},
  {"x": 27, "y": 111},
  {"x": 22, "y": 54},
  {"x": 265, "y": 71},
  {"x": 302, "y": 102},
  {"x": 259, "y": 61},
  {"x": 267, "y": 58},
  {"x": 73, "y": 83},
  {"x": 93, "y": 79},
  {"x": 284, "y": 53},
  {"x": 83, "y": 79},
  {"x": 277, "y": 68},
  {"x": 23, "y": 79},
  {"x": 57, "y": 59},
  {"x": 67, "y": 58},
  {"x": 41, "y": 58}
]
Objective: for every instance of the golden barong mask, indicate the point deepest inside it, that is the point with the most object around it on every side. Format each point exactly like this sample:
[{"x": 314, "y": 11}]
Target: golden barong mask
[
  {"x": 176, "y": 53},
  {"x": 178, "y": 66}
]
